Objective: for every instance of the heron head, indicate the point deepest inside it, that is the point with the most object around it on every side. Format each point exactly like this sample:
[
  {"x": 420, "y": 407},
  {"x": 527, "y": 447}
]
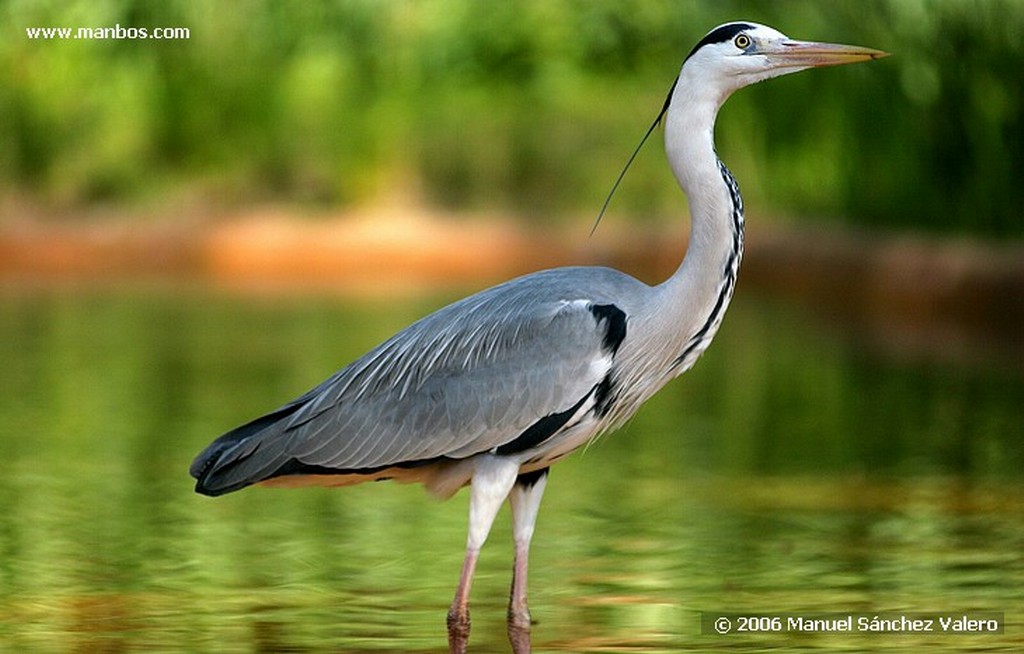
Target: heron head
[
  {"x": 734, "y": 55},
  {"x": 738, "y": 54}
]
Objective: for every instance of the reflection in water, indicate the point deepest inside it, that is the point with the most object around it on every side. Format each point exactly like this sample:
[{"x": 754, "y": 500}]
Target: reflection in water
[{"x": 790, "y": 470}]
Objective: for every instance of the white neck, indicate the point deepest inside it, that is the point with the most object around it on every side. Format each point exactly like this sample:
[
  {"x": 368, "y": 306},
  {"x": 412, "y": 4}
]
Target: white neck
[{"x": 699, "y": 291}]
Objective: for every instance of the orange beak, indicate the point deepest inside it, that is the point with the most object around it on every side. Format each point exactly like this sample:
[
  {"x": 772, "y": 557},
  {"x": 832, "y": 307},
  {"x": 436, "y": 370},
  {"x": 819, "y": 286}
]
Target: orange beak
[{"x": 811, "y": 54}]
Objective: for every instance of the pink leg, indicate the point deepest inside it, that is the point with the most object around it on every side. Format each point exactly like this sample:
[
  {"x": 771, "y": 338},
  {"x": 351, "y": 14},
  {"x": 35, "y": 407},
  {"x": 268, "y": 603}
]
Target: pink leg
[
  {"x": 493, "y": 478},
  {"x": 525, "y": 500},
  {"x": 458, "y": 614},
  {"x": 518, "y": 612}
]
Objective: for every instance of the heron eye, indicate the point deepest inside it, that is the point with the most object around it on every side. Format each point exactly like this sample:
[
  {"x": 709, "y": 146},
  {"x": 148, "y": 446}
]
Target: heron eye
[{"x": 742, "y": 41}]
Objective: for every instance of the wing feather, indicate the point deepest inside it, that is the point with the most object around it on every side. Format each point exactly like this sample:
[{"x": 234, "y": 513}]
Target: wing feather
[{"x": 466, "y": 379}]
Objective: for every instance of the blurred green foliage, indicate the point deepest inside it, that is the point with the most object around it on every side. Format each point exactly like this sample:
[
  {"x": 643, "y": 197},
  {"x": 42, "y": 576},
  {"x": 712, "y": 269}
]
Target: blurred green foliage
[{"x": 529, "y": 106}]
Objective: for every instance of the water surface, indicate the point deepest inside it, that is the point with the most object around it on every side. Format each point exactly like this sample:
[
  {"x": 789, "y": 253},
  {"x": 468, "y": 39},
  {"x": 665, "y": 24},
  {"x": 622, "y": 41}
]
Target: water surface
[{"x": 794, "y": 469}]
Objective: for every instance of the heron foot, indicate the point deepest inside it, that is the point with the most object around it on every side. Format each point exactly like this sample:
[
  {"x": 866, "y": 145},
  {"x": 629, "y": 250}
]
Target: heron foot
[
  {"x": 458, "y": 630},
  {"x": 519, "y": 624}
]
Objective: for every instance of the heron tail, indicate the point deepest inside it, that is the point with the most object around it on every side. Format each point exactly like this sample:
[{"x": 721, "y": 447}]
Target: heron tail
[{"x": 244, "y": 456}]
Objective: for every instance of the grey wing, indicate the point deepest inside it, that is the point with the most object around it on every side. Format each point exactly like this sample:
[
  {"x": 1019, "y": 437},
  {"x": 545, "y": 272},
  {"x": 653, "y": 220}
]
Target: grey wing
[{"x": 473, "y": 377}]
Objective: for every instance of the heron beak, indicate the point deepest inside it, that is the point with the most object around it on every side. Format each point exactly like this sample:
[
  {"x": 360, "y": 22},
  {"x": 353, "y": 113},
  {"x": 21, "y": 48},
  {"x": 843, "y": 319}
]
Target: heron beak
[{"x": 810, "y": 54}]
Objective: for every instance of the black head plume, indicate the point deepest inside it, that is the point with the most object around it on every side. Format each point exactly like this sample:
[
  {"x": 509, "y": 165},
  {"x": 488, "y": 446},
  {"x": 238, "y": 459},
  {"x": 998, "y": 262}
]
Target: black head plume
[{"x": 629, "y": 162}]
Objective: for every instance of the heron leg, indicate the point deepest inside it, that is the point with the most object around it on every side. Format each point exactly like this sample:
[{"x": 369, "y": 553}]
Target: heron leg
[
  {"x": 493, "y": 478},
  {"x": 458, "y": 614},
  {"x": 525, "y": 501}
]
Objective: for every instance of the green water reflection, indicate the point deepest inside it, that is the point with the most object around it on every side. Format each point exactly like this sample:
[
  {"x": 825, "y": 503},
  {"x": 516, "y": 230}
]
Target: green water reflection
[{"x": 793, "y": 469}]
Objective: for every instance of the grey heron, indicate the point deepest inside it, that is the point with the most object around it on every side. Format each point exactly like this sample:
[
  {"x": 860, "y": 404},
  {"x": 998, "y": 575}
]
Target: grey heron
[{"x": 493, "y": 389}]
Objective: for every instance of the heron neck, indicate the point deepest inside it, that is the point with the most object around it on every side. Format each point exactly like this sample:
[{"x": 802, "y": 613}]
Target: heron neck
[{"x": 702, "y": 286}]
